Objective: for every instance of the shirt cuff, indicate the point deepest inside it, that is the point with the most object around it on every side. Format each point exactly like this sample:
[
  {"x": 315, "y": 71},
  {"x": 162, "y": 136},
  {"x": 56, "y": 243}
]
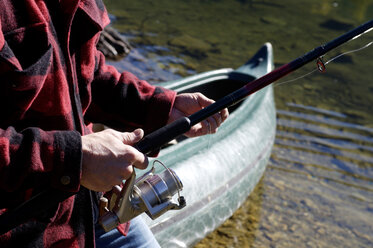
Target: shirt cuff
[
  {"x": 159, "y": 109},
  {"x": 67, "y": 167}
]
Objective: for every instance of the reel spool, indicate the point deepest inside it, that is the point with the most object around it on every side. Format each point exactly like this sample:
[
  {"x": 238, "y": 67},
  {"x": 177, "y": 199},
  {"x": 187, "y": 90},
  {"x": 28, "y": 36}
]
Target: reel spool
[{"x": 151, "y": 193}]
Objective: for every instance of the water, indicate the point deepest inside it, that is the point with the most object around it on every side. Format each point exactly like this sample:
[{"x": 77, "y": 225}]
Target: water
[{"x": 317, "y": 190}]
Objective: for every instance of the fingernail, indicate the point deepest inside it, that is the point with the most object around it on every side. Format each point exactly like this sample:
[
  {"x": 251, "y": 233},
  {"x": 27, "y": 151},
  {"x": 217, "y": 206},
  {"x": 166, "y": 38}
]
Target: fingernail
[{"x": 138, "y": 132}]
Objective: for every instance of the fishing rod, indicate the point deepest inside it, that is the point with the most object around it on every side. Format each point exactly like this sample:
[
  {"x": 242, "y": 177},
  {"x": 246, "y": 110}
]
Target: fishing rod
[
  {"x": 155, "y": 140},
  {"x": 167, "y": 133}
]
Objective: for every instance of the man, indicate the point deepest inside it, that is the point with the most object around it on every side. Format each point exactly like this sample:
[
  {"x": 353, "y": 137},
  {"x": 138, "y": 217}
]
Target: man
[{"x": 53, "y": 85}]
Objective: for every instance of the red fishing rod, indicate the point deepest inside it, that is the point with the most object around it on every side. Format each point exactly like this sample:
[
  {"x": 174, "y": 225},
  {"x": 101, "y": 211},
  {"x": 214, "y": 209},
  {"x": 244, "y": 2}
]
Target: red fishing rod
[{"x": 155, "y": 140}]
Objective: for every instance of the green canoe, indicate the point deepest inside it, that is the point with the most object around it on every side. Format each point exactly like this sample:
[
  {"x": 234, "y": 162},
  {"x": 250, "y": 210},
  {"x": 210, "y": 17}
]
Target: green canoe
[{"x": 219, "y": 171}]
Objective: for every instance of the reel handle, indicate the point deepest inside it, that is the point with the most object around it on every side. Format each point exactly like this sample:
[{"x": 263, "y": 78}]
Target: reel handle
[{"x": 120, "y": 208}]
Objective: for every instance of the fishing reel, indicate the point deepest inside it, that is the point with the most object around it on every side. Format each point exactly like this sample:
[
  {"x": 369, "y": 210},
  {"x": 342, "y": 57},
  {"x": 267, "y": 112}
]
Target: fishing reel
[{"x": 150, "y": 193}]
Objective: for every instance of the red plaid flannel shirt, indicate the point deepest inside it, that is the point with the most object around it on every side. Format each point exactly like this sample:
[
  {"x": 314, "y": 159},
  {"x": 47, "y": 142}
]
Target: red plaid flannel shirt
[{"x": 53, "y": 84}]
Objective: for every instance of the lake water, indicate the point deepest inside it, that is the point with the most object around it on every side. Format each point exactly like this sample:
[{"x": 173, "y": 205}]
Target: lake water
[{"x": 317, "y": 190}]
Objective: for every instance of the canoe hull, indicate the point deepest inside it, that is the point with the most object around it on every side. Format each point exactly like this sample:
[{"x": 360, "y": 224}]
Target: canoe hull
[{"x": 219, "y": 171}]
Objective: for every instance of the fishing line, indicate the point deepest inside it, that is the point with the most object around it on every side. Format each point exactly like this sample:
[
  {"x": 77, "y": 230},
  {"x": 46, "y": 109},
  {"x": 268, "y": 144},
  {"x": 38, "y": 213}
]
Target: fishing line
[
  {"x": 209, "y": 136},
  {"x": 321, "y": 65},
  {"x": 348, "y": 52}
]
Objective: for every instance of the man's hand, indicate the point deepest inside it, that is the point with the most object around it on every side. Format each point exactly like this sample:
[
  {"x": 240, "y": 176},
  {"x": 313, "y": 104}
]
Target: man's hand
[
  {"x": 187, "y": 104},
  {"x": 108, "y": 158}
]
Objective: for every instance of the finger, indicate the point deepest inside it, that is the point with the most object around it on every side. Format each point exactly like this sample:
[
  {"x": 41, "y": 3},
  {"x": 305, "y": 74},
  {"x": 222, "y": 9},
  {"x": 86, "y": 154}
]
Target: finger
[
  {"x": 136, "y": 158},
  {"x": 127, "y": 172},
  {"x": 221, "y": 116},
  {"x": 212, "y": 125},
  {"x": 196, "y": 130},
  {"x": 132, "y": 137},
  {"x": 141, "y": 163},
  {"x": 203, "y": 101},
  {"x": 218, "y": 119},
  {"x": 224, "y": 114},
  {"x": 207, "y": 126}
]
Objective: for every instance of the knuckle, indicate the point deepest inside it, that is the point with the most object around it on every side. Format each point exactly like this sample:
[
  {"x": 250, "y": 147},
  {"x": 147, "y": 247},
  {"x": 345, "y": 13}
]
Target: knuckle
[
  {"x": 130, "y": 156},
  {"x": 198, "y": 95},
  {"x": 126, "y": 173},
  {"x": 109, "y": 131}
]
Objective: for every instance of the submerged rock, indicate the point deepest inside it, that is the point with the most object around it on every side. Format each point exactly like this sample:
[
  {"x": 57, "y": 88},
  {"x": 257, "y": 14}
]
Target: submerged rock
[
  {"x": 189, "y": 45},
  {"x": 112, "y": 44},
  {"x": 336, "y": 25}
]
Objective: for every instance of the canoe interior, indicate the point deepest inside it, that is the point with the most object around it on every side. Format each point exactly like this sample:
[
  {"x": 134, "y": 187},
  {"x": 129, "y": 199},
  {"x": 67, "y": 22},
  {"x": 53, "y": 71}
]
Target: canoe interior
[
  {"x": 215, "y": 89},
  {"x": 218, "y": 88}
]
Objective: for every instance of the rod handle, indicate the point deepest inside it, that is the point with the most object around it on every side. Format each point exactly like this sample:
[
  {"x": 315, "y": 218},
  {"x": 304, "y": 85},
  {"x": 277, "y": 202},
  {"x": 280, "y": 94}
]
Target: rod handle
[{"x": 162, "y": 136}]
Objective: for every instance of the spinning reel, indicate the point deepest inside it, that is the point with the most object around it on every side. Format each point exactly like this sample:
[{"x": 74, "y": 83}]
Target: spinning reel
[{"x": 151, "y": 193}]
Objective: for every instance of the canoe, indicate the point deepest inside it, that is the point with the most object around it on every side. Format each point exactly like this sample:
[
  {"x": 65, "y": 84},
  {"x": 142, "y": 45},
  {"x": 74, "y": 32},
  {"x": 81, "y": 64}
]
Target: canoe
[{"x": 219, "y": 171}]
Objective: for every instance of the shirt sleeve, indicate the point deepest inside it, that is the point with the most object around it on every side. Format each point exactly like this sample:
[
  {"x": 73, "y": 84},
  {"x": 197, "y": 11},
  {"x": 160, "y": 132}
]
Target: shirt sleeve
[
  {"x": 122, "y": 101},
  {"x": 33, "y": 159},
  {"x": 2, "y": 40}
]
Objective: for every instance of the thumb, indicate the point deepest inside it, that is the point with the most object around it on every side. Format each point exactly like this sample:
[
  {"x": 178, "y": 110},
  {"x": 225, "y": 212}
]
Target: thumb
[
  {"x": 204, "y": 101},
  {"x": 133, "y": 137}
]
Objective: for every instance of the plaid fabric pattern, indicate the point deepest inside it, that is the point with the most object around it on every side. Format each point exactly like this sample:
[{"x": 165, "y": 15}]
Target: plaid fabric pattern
[{"x": 53, "y": 85}]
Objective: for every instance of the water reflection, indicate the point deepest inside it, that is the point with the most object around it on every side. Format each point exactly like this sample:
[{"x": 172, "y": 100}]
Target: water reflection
[
  {"x": 321, "y": 130},
  {"x": 336, "y": 155},
  {"x": 330, "y": 142},
  {"x": 318, "y": 187}
]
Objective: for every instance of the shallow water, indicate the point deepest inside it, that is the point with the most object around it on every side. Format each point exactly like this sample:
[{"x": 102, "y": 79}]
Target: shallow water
[{"x": 317, "y": 190}]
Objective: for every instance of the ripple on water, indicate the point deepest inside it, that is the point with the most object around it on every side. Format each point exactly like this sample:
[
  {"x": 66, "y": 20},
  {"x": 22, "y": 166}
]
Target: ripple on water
[{"x": 317, "y": 189}]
